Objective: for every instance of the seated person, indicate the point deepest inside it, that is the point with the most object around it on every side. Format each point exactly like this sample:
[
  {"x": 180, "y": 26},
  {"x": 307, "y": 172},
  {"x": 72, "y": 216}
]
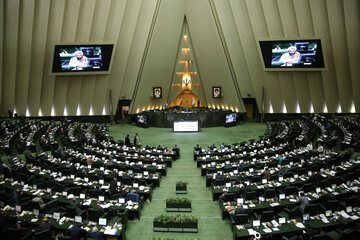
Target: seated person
[
  {"x": 133, "y": 196},
  {"x": 76, "y": 232},
  {"x": 44, "y": 226},
  {"x": 291, "y": 57},
  {"x": 96, "y": 234},
  {"x": 39, "y": 200},
  {"x": 79, "y": 61}
]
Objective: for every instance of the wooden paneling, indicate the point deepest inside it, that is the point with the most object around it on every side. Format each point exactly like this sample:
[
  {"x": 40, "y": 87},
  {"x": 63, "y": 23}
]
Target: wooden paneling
[{"x": 31, "y": 27}]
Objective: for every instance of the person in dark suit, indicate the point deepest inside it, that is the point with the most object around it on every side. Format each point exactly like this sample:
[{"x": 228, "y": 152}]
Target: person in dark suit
[
  {"x": 324, "y": 198},
  {"x": 15, "y": 197},
  {"x": 314, "y": 179},
  {"x": 127, "y": 140},
  {"x": 113, "y": 186},
  {"x": 96, "y": 234},
  {"x": 244, "y": 190},
  {"x": 98, "y": 207},
  {"x": 309, "y": 232},
  {"x": 6, "y": 221},
  {"x": 240, "y": 209},
  {"x": 76, "y": 205},
  {"x": 76, "y": 232},
  {"x": 197, "y": 147},
  {"x": 267, "y": 174},
  {"x": 44, "y": 226},
  {"x": 124, "y": 193},
  {"x": 72, "y": 169}
]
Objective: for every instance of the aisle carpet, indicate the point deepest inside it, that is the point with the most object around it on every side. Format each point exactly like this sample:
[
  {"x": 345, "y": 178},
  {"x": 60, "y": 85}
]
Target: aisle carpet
[{"x": 211, "y": 227}]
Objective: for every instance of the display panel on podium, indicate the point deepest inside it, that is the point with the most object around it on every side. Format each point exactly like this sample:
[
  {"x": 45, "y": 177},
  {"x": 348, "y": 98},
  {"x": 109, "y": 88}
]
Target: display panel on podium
[{"x": 186, "y": 126}]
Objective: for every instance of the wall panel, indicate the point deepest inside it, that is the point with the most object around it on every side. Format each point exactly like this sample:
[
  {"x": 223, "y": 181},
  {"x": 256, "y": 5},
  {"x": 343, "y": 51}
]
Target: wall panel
[
  {"x": 352, "y": 26},
  {"x": 38, "y": 42},
  {"x": 340, "y": 52},
  {"x": 11, "y": 27},
  {"x": 2, "y": 10},
  {"x": 24, "y": 51},
  {"x": 210, "y": 55},
  {"x": 56, "y": 15},
  {"x": 228, "y": 25},
  {"x": 137, "y": 51},
  {"x": 222, "y": 31},
  {"x": 248, "y": 42},
  {"x": 321, "y": 29}
]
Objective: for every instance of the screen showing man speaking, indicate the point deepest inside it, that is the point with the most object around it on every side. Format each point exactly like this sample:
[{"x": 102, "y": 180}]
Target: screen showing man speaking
[
  {"x": 82, "y": 58},
  {"x": 186, "y": 126},
  {"x": 291, "y": 54}
]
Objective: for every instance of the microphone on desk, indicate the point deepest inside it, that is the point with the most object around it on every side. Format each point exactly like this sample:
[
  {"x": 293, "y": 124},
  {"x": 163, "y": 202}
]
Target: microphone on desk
[{"x": 257, "y": 235}]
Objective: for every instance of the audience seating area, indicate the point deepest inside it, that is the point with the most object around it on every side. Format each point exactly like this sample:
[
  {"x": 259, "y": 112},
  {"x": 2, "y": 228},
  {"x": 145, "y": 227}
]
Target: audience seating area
[
  {"x": 79, "y": 177},
  {"x": 283, "y": 187}
]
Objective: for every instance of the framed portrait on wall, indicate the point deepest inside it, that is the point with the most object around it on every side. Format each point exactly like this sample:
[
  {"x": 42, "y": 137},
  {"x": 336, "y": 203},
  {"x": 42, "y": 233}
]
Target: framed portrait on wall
[
  {"x": 216, "y": 92},
  {"x": 157, "y": 92}
]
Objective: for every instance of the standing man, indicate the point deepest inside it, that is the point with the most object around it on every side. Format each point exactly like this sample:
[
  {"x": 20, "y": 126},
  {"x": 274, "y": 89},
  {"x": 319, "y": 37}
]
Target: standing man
[
  {"x": 127, "y": 140},
  {"x": 136, "y": 140}
]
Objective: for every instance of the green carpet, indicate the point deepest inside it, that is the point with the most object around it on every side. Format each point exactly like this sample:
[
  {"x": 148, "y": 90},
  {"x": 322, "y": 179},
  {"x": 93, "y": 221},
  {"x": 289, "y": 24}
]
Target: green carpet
[{"x": 211, "y": 227}]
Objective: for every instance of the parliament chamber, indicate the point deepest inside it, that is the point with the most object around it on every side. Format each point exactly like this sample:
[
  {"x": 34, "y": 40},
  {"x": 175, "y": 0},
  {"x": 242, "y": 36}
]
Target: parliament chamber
[{"x": 179, "y": 119}]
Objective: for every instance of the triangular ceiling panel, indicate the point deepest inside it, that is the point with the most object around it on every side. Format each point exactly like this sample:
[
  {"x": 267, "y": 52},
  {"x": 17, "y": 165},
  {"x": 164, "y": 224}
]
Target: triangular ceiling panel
[{"x": 186, "y": 80}]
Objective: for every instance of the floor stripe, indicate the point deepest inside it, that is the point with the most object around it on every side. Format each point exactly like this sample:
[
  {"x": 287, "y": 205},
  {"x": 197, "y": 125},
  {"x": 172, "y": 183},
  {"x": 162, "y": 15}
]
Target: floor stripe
[
  {"x": 201, "y": 218},
  {"x": 199, "y": 199},
  {"x": 191, "y": 186}
]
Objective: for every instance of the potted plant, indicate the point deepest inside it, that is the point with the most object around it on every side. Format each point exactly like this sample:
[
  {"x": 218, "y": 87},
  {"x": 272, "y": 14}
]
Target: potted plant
[
  {"x": 178, "y": 204},
  {"x": 184, "y": 205},
  {"x": 178, "y": 223},
  {"x": 181, "y": 187},
  {"x": 161, "y": 223},
  {"x": 190, "y": 223}
]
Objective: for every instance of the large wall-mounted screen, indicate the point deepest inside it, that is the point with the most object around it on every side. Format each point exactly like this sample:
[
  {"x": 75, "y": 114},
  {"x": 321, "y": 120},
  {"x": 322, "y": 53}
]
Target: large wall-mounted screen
[
  {"x": 292, "y": 54},
  {"x": 82, "y": 58},
  {"x": 186, "y": 126}
]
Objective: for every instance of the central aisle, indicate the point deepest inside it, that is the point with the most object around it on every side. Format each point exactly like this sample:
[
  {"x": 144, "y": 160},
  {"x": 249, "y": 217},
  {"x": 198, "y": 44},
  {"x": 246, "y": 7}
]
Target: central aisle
[
  {"x": 211, "y": 227},
  {"x": 210, "y": 224}
]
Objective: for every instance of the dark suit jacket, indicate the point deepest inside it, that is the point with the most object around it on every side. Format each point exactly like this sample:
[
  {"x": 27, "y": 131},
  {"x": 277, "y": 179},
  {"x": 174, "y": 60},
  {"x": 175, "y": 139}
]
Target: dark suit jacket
[
  {"x": 76, "y": 233},
  {"x": 113, "y": 187},
  {"x": 127, "y": 141},
  {"x": 44, "y": 227},
  {"x": 97, "y": 235}
]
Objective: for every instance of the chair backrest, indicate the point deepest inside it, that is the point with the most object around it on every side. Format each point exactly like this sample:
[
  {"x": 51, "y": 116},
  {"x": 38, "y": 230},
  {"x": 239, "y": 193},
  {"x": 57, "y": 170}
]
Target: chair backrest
[
  {"x": 312, "y": 209},
  {"x": 290, "y": 191},
  {"x": 353, "y": 201},
  {"x": 334, "y": 205},
  {"x": 70, "y": 211},
  {"x": 267, "y": 216},
  {"x": 270, "y": 193},
  {"x": 230, "y": 197},
  {"x": 43, "y": 235},
  {"x": 94, "y": 214},
  {"x": 321, "y": 236},
  {"x": 308, "y": 187},
  {"x": 241, "y": 219},
  {"x": 251, "y": 196},
  {"x": 256, "y": 179}
]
